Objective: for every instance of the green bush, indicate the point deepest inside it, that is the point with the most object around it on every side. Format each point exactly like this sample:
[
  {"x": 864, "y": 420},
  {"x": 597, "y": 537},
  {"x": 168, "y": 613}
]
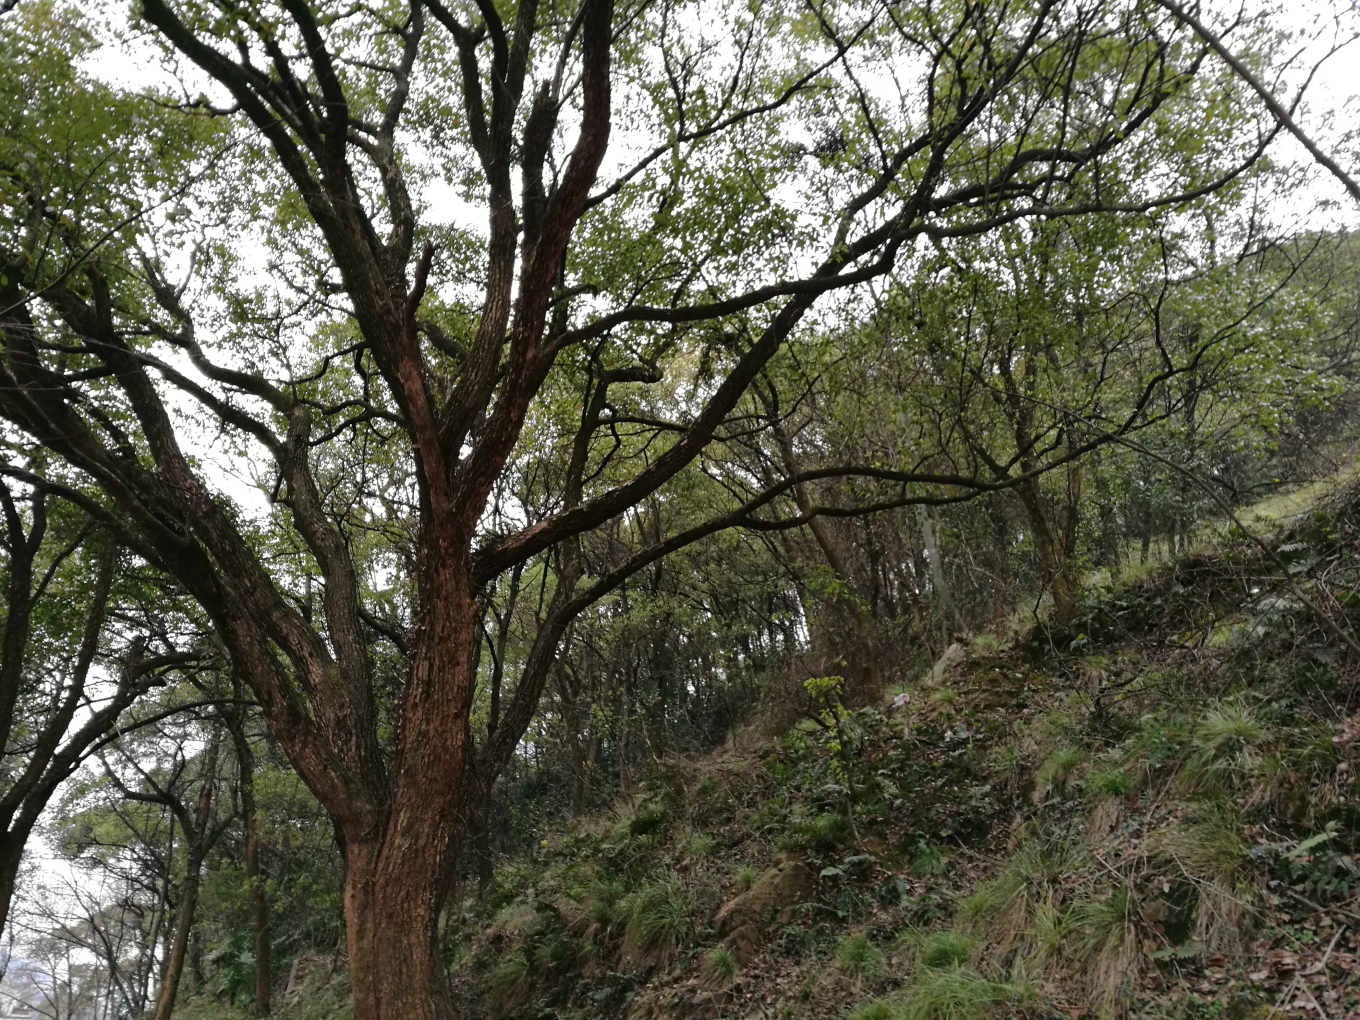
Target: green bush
[{"x": 647, "y": 819}]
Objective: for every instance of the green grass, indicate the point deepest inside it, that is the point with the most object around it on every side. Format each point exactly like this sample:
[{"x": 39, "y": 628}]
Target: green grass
[
  {"x": 698, "y": 845},
  {"x": 719, "y": 965},
  {"x": 658, "y": 917},
  {"x": 857, "y": 955},
  {"x": 946, "y": 949},
  {"x": 824, "y": 832},
  {"x": 649, "y": 817},
  {"x": 928, "y": 861},
  {"x": 956, "y": 994},
  {"x": 1110, "y": 781},
  {"x": 506, "y": 977}
]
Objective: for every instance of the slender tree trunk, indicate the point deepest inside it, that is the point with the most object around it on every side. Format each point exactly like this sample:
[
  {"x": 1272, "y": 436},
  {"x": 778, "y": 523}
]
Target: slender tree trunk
[
  {"x": 179, "y": 946},
  {"x": 197, "y": 979},
  {"x": 870, "y": 687},
  {"x": 259, "y": 909},
  {"x": 937, "y": 571},
  {"x": 1052, "y": 551},
  {"x": 259, "y": 917},
  {"x": 625, "y": 711},
  {"x": 871, "y": 684},
  {"x": 581, "y": 791},
  {"x": 481, "y": 845},
  {"x": 578, "y": 778},
  {"x": 11, "y": 854},
  {"x": 196, "y": 845},
  {"x": 146, "y": 964}
]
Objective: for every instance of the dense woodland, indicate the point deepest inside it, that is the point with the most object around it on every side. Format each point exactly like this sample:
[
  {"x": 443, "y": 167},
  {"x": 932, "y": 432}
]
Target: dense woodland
[{"x": 678, "y": 508}]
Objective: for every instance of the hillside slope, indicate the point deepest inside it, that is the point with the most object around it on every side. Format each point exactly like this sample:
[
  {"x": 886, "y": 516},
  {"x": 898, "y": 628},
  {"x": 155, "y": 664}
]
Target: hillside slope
[{"x": 1150, "y": 814}]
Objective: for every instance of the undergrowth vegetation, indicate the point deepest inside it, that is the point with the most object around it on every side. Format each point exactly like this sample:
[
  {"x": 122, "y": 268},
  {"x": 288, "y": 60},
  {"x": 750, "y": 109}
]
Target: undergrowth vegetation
[{"x": 1123, "y": 819}]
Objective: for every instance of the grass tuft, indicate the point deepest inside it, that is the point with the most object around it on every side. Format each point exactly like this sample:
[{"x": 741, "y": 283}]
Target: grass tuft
[
  {"x": 697, "y": 845},
  {"x": 507, "y": 979},
  {"x": 946, "y": 949},
  {"x": 719, "y": 965},
  {"x": 957, "y": 994},
  {"x": 856, "y": 954},
  {"x": 1104, "y": 940},
  {"x": 1110, "y": 781},
  {"x": 929, "y": 861},
  {"x": 657, "y": 919},
  {"x": 649, "y": 817}
]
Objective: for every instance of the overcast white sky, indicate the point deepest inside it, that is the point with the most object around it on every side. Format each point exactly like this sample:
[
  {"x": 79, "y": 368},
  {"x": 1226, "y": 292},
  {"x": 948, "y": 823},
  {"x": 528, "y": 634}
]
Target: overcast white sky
[{"x": 1335, "y": 87}]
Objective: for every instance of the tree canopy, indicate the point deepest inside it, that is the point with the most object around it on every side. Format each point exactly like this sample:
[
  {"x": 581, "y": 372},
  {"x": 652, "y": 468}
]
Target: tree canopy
[{"x": 470, "y": 378}]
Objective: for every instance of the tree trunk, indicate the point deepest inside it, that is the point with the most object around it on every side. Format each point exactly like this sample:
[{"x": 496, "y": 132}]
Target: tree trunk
[
  {"x": 398, "y": 871},
  {"x": 259, "y": 909},
  {"x": 951, "y": 611},
  {"x": 11, "y": 854},
  {"x": 579, "y": 787},
  {"x": 481, "y": 846},
  {"x": 580, "y": 793},
  {"x": 184, "y": 921},
  {"x": 625, "y": 710},
  {"x": 1052, "y": 552},
  {"x": 391, "y": 913},
  {"x": 196, "y": 844},
  {"x": 869, "y": 689},
  {"x": 197, "y": 979}
]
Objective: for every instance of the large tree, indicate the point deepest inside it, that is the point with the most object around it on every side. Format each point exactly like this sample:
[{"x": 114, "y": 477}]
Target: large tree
[{"x": 407, "y": 371}]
